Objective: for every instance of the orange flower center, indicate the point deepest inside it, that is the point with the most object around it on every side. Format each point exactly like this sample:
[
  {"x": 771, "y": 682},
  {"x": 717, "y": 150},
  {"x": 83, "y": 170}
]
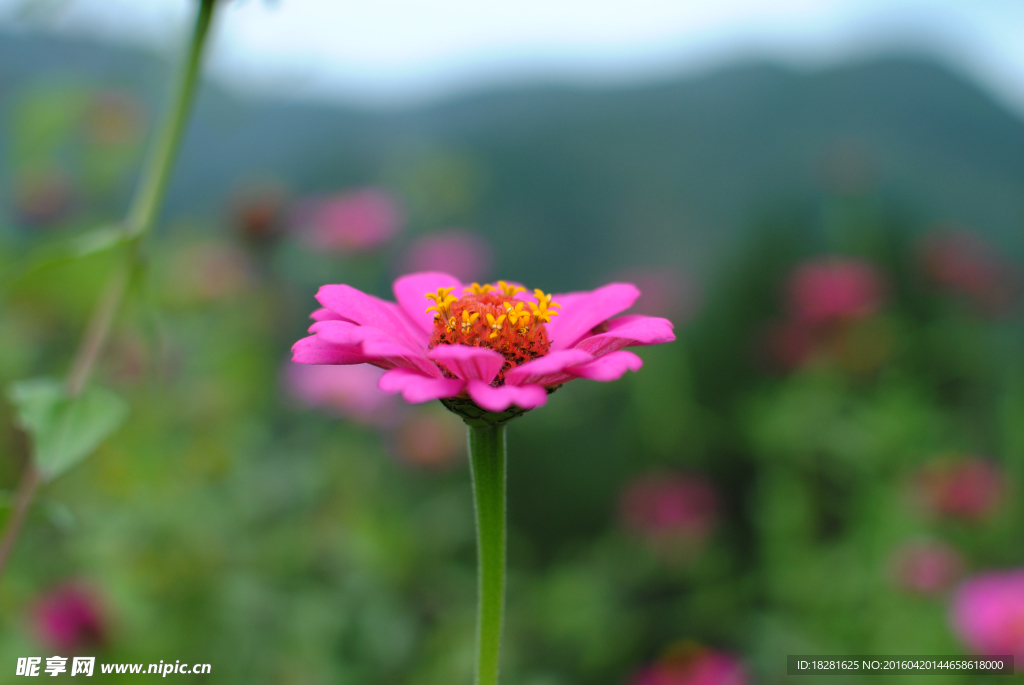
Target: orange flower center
[{"x": 490, "y": 316}]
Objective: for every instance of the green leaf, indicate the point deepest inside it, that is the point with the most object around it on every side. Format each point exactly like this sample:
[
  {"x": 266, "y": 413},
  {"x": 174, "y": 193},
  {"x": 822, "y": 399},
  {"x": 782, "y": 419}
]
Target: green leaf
[
  {"x": 94, "y": 242},
  {"x": 98, "y": 240},
  {"x": 64, "y": 430}
]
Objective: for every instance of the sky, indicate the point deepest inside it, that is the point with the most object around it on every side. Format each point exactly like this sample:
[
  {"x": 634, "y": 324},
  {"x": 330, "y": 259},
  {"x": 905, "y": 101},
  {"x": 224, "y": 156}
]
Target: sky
[{"x": 399, "y": 52}]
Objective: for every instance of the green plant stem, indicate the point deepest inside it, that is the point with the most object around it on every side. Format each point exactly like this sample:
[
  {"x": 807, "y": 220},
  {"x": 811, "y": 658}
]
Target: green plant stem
[
  {"x": 149, "y": 196},
  {"x": 30, "y": 478},
  {"x": 487, "y": 469},
  {"x": 97, "y": 330},
  {"x": 141, "y": 216}
]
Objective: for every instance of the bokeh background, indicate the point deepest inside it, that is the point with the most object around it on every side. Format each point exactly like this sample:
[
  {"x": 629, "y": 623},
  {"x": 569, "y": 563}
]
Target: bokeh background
[{"x": 829, "y": 459}]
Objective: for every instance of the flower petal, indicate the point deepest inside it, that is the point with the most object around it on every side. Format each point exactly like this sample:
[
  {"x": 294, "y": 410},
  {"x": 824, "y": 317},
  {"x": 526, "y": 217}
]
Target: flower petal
[
  {"x": 376, "y": 345},
  {"x": 366, "y": 310},
  {"x": 410, "y": 290},
  {"x": 501, "y": 398},
  {"x": 549, "y": 369},
  {"x": 467, "y": 362},
  {"x": 582, "y": 311},
  {"x": 625, "y": 331},
  {"x": 316, "y": 350},
  {"x": 417, "y": 388},
  {"x": 325, "y": 314},
  {"x": 610, "y": 367}
]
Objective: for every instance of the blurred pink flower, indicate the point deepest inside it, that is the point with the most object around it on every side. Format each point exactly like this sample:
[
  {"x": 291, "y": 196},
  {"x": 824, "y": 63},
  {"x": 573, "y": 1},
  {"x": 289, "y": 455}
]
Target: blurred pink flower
[
  {"x": 351, "y": 222},
  {"x": 666, "y": 292},
  {"x": 431, "y": 439},
  {"x": 667, "y": 506},
  {"x": 348, "y": 391},
  {"x": 831, "y": 290},
  {"x": 706, "y": 667},
  {"x": 968, "y": 488},
  {"x": 963, "y": 264},
  {"x": 460, "y": 253},
  {"x": 68, "y": 618},
  {"x": 988, "y": 613},
  {"x": 927, "y": 568}
]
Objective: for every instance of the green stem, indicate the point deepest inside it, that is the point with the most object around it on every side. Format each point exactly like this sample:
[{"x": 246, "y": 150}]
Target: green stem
[
  {"x": 157, "y": 174},
  {"x": 140, "y": 219},
  {"x": 487, "y": 468}
]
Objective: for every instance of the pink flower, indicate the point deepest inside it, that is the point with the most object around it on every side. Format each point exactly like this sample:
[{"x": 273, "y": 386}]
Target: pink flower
[
  {"x": 460, "y": 253},
  {"x": 670, "y": 506},
  {"x": 963, "y": 264},
  {"x": 966, "y": 488},
  {"x": 349, "y": 391},
  {"x": 706, "y": 667},
  {"x": 352, "y": 222},
  {"x": 927, "y": 568},
  {"x": 68, "y": 618},
  {"x": 988, "y": 613},
  {"x": 831, "y": 290},
  {"x": 489, "y": 344}
]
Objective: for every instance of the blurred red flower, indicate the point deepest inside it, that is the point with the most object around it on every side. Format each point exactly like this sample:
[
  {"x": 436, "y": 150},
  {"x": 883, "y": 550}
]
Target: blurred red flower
[
  {"x": 832, "y": 290},
  {"x": 927, "y": 568},
  {"x": 670, "y": 505},
  {"x": 694, "y": 667},
  {"x": 963, "y": 264},
  {"x": 969, "y": 488},
  {"x": 68, "y": 618}
]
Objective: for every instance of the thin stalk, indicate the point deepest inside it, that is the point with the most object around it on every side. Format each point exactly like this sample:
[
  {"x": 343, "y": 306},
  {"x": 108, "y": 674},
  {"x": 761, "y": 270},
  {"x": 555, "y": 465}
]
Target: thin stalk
[
  {"x": 96, "y": 332},
  {"x": 141, "y": 216},
  {"x": 487, "y": 469},
  {"x": 149, "y": 195},
  {"x": 26, "y": 491}
]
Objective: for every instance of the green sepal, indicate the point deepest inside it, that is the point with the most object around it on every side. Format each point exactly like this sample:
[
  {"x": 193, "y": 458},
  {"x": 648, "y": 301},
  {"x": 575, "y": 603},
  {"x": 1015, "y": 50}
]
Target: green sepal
[{"x": 474, "y": 415}]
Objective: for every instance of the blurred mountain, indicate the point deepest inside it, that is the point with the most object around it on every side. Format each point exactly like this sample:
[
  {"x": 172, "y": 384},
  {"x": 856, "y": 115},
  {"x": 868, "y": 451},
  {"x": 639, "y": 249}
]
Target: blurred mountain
[{"x": 573, "y": 182}]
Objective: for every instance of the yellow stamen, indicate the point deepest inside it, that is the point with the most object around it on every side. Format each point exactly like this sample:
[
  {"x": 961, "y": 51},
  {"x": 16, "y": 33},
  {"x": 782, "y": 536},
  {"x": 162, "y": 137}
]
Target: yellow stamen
[
  {"x": 510, "y": 290},
  {"x": 517, "y": 317},
  {"x": 478, "y": 289},
  {"x": 542, "y": 310},
  {"x": 495, "y": 324},
  {"x": 453, "y": 323},
  {"x": 442, "y": 300},
  {"x": 468, "y": 319}
]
